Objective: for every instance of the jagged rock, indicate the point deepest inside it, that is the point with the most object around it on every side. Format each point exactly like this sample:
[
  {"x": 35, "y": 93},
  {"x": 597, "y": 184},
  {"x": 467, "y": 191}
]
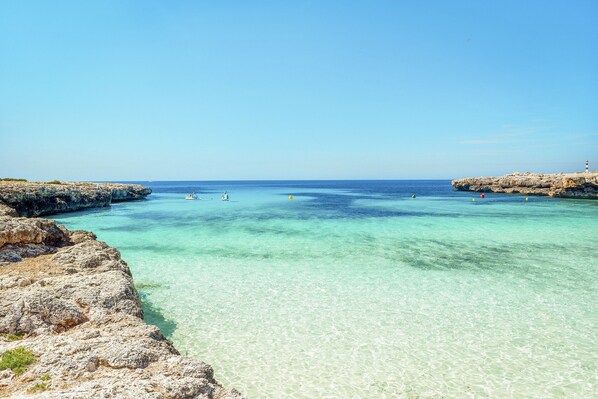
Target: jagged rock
[
  {"x": 127, "y": 192},
  {"x": 35, "y": 199},
  {"x": 78, "y": 236},
  {"x": 59, "y": 302},
  {"x": 90, "y": 254},
  {"x": 27, "y": 231},
  {"x": 7, "y": 211},
  {"x": 571, "y": 185},
  {"x": 16, "y": 253},
  {"x": 21, "y": 238}
]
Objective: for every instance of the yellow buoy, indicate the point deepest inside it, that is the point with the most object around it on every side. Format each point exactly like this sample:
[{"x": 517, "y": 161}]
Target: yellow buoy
[
  {"x": 473, "y": 200},
  {"x": 526, "y": 198},
  {"x": 291, "y": 196}
]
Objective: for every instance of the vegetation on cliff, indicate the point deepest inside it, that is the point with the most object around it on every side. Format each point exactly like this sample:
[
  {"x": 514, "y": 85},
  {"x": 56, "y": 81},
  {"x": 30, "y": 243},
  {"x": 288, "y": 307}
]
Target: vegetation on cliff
[
  {"x": 12, "y": 179},
  {"x": 17, "y": 360}
]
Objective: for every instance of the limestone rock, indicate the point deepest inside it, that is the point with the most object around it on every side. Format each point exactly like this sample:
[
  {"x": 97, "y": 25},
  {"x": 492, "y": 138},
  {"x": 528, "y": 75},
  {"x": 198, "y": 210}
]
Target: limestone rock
[
  {"x": 16, "y": 253},
  {"x": 78, "y": 236},
  {"x": 27, "y": 231},
  {"x": 7, "y": 211},
  {"x": 35, "y": 199},
  {"x": 571, "y": 185}
]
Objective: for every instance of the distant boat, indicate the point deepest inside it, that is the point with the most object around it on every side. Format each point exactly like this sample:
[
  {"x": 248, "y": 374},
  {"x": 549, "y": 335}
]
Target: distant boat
[
  {"x": 191, "y": 196},
  {"x": 224, "y": 196}
]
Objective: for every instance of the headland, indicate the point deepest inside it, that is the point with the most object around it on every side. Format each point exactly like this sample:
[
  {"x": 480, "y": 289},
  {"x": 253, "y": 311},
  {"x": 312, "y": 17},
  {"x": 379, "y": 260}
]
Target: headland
[
  {"x": 37, "y": 199},
  {"x": 561, "y": 185}
]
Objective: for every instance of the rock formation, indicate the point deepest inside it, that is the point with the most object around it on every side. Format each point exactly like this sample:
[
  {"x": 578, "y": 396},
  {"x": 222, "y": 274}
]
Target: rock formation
[
  {"x": 70, "y": 299},
  {"x": 36, "y": 199},
  {"x": 563, "y": 185}
]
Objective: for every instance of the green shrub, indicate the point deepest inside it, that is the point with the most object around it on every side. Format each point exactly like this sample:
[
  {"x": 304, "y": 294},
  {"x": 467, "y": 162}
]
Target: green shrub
[
  {"x": 11, "y": 179},
  {"x": 39, "y": 387},
  {"x": 54, "y": 182},
  {"x": 13, "y": 337},
  {"x": 17, "y": 360}
]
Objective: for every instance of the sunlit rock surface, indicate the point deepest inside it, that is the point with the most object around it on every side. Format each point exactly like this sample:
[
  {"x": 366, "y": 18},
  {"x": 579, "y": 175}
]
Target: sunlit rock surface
[{"x": 564, "y": 185}]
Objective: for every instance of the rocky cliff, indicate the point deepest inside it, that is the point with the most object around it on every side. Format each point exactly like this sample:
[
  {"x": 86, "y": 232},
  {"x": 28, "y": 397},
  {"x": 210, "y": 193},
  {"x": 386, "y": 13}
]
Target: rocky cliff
[
  {"x": 563, "y": 185},
  {"x": 69, "y": 301},
  {"x": 36, "y": 199}
]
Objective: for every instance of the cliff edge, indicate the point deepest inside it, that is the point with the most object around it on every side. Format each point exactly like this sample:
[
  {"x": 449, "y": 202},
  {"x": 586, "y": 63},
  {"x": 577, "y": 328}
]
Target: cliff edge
[
  {"x": 37, "y": 199},
  {"x": 563, "y": 185},
  {"x": 69, "y": 309}
]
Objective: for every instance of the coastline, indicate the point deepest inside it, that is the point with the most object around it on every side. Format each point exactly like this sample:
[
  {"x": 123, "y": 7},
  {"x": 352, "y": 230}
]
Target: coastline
[
  {"x": 559, "y": 185},
  {"x": 70, "y": 300},
  {"x": 39, "y": 199}
]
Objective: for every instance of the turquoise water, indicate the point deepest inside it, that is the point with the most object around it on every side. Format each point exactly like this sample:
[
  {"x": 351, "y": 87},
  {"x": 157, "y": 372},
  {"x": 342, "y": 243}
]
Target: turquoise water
[{"x": 357, "y": 290}]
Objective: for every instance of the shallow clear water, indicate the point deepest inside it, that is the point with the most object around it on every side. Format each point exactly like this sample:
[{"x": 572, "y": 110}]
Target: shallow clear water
[{"x": 355, "y": 289}]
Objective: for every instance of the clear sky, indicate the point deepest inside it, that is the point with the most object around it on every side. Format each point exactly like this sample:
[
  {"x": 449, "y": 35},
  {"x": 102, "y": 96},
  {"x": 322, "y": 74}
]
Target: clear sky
[{"x": 118, "y": 90}]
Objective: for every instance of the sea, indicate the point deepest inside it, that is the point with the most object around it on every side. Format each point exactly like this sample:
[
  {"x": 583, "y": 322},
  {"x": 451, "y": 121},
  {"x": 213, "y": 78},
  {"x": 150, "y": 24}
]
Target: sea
[{"x": 367, "y": 289}]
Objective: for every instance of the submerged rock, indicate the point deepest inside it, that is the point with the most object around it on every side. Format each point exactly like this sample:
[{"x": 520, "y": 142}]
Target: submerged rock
[{"x": 570, "y": 185}]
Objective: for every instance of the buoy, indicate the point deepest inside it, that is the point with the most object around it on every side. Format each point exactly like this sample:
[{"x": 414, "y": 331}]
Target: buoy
[
  {"x": 473, "y": 200},
  {"x": 291, "y": 196},
  {"x": 526, "y": 198},
  {"x": 482, "y": 195},
  {"x": 413, "y": 196}
]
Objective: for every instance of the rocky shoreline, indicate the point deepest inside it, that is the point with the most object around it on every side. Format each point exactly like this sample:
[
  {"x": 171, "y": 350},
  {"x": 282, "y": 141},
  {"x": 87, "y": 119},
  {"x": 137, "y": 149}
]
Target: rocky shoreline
[
  {"x": 69, "y": 300},
  {"x": 37, "y": 199},
  {"x": 561, "y": 185}
]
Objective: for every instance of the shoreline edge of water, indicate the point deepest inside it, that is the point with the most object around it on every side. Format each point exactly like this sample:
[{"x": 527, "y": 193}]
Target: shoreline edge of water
[{"x": 69, "y": 300}]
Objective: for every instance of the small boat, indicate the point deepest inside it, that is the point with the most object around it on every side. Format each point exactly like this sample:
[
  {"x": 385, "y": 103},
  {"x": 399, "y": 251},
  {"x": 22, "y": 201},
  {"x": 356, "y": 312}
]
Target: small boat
[
  {"x": 191, "y": 196},
  {"x": 224, "y": 197}
]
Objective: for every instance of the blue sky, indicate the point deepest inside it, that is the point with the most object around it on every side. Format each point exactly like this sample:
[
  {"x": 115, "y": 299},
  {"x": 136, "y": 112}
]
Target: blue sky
[{"x": 116, "y": 90}]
